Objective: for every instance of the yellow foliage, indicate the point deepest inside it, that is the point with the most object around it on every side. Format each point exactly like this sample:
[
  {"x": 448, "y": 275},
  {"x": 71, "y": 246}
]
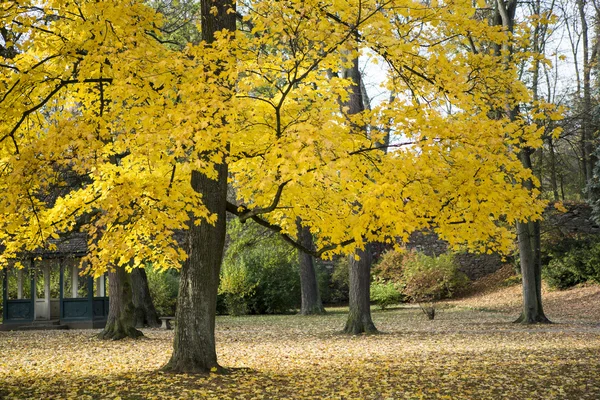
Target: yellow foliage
[{"x": 101, "y": 125}]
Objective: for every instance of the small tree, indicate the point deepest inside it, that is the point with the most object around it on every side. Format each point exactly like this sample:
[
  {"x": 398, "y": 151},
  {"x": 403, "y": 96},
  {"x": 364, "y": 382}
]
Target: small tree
[{"x": 429, "y": 279}]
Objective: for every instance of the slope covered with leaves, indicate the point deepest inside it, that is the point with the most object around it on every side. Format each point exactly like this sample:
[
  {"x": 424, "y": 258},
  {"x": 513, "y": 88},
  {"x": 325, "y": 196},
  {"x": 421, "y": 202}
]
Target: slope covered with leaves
[
  {"x": 501, "y": 291},
  {"x": 463, "y": 354}
]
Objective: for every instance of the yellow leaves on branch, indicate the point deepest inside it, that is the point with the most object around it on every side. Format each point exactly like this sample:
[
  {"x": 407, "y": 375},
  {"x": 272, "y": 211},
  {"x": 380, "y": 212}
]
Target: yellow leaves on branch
[{"x": 102, "y": 124}]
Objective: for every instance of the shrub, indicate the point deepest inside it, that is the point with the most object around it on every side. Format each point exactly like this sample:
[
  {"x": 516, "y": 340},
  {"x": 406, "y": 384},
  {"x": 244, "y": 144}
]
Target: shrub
[
  {"x": 324, "y": 271},
  {"x": 389, "y": 267},
  {"x": 260, "y": 272},
  {"x": 277, "y": 281},
  {"x": 579, "y": 264},
  {"x": 428, "y": 279},
  {"x": 236, "y": 287},
  {"x": 385, "y": 294},
  {"x": 164, "y": 287},
  {"x": 338, "y": 289}
]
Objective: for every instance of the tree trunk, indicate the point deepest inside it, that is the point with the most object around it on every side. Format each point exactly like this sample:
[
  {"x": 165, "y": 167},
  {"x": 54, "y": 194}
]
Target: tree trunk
[
  {"x": 144, "y": 311},
  {"x": 120, "y": 322},
  {"x": 194, "y": 346},
  {"x": 359, "y": 316},
  {"x": 311, "y": 299},
  {"x": 531, "y": 272},
  {"x": 553, "y": 180},
  {"x": 528, "y": 234},
  {"x": 587, "y": 134}
]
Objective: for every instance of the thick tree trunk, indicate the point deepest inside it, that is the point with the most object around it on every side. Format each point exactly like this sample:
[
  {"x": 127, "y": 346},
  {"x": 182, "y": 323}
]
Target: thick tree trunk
[
  {"x": 120, "y": 321},
  {"x": 194, "y": 346},
  {"x": 144, "y": 311},
  {"x": 311, "y": 299},
  {"x": 359, "y": 315}
]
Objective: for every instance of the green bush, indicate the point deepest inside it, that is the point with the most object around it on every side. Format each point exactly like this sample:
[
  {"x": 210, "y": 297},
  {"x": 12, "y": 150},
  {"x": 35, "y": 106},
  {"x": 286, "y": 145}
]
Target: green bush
[
  {"x": 385, "y": 294},
  {"x": 338, "y": 284},
  {"x": 260, "y": 272},
  {"x": 579, "y": 264},
  {"x": 324, "y": 270},
  {"x": 236, "y": 287},
  {"x": 164, "y": 287},
  {"x": 428, "y": 279},
  {"x": 277, "y": 281}
]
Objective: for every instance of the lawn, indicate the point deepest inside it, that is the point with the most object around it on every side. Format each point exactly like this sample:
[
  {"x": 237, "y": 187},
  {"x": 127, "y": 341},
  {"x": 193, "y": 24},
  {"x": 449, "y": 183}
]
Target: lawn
[{"x": 463, "y": 354}]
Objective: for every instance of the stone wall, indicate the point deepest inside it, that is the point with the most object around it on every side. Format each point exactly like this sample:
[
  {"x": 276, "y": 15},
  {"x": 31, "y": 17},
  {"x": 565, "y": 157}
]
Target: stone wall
[
  {"x": 576, "y": 221},
  {"x": 474, "y": 266}
]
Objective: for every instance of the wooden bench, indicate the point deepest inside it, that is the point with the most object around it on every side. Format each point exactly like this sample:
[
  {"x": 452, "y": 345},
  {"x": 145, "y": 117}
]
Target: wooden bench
[{"x": 166, "y": 322}]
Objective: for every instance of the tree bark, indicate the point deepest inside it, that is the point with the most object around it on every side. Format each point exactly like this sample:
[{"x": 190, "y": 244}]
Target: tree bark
[
  {"x": 531, "y": 272},
  {"x": 144, "y": 311},
  {"x": 553, "y": 180},
  {"x": 194, "y": 346},
  {"x": 120, "y": 322},
  {"x": 587, "y": 135},
  {"x": 359, "y": 315},
  {"x": 311, "y": 303},
  {"x": 528, "y": 234}
]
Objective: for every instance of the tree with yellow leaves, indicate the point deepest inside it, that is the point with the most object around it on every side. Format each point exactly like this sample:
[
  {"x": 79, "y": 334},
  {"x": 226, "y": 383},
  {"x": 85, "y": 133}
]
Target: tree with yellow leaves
[{"x": 95, "y": 88}]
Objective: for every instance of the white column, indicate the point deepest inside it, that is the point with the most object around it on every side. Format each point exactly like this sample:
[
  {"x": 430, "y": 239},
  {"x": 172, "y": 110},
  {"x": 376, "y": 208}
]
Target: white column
[
  {"x": 74, "y": 280},
  {"x": 34, "y": 294},
  {"x": 19, "y": 284},
  {"x": 100, "y": 289},
  {"x": 47, "y": 289}
]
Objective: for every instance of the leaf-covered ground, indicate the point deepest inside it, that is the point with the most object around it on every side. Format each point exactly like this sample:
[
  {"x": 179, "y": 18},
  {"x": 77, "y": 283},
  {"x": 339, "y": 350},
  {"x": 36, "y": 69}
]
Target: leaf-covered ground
[{"x": 463, "y": 354}]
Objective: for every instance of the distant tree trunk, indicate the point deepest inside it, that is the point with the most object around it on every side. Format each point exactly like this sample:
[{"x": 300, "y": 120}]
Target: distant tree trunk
[
  {"x": 144, "y": 311},
  {"x": 587, "y": 135},
  {"x": 359, "y": 316},
  {"x": 194, "y": 346},
  {"x": 531, "y": 272},
  {"x": 120, "y": 322},
  {"x": 553, "y": 180},
  {"x": 528, "y": 234},
  {"x": 311, "y": 299}
]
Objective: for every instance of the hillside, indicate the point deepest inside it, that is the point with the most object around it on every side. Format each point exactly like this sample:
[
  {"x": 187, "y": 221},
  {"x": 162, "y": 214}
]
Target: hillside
[{"x": 501, "y": 291}]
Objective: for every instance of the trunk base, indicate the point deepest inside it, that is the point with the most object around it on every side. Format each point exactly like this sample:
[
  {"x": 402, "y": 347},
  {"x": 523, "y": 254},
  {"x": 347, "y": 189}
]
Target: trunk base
[
  {"x": 143, "y": 318},
  {"x": 190, "y": 366},
  {"x": 316, "y": 310},
  {"x": 532, "y": 319},
  {"x": 118, "y": 331},
  {"x": 357, "y": 327}
]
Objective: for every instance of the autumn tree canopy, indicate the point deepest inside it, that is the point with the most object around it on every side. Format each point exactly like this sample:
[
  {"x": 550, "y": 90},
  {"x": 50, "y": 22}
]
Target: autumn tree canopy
[{"x": 98, "y": 89}]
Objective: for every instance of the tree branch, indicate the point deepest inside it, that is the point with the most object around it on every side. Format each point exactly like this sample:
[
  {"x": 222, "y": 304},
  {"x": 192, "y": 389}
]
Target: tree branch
[{"x": 233, "y": 209}]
